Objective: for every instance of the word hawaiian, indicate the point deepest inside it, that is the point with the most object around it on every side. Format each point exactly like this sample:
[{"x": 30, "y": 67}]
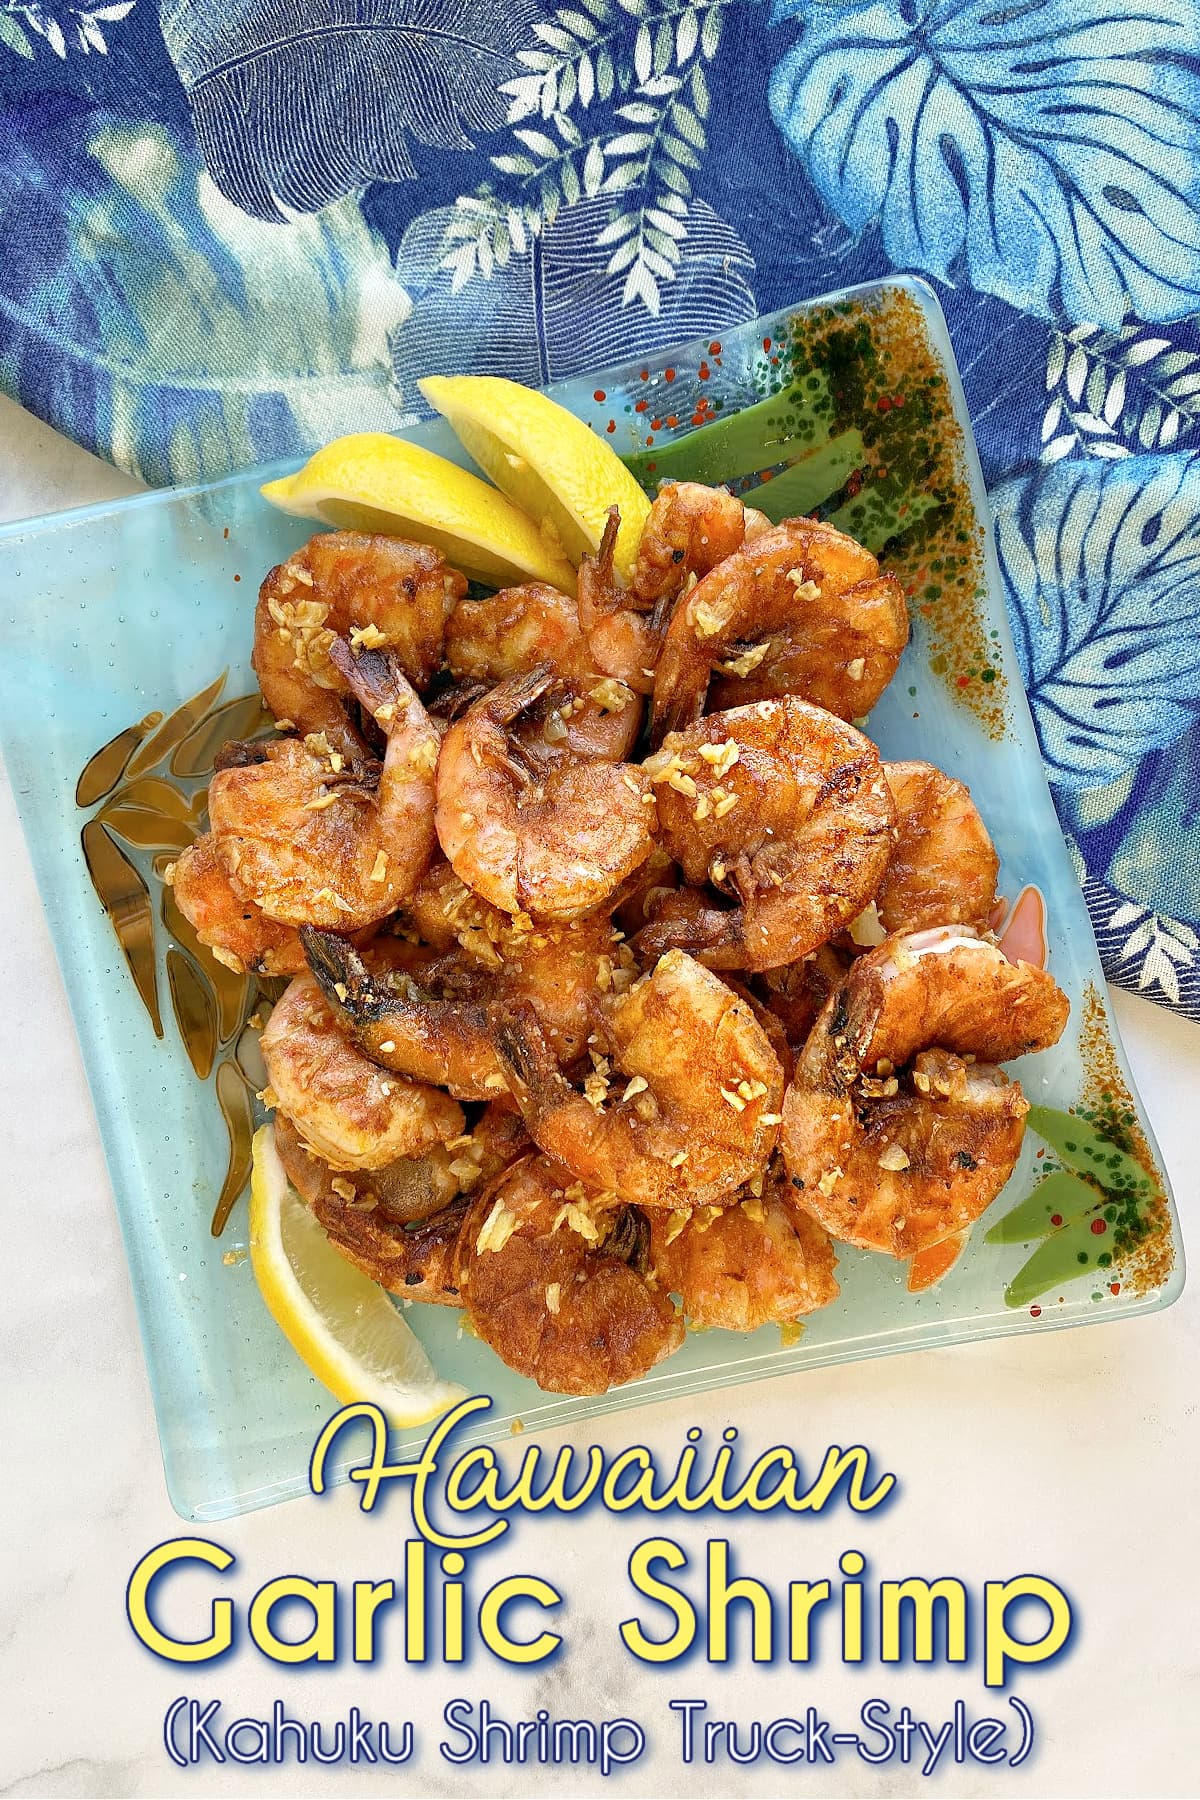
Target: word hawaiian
[
  {"x": 926, "y": 1621},
  {"x": 474, "y": 1481}
]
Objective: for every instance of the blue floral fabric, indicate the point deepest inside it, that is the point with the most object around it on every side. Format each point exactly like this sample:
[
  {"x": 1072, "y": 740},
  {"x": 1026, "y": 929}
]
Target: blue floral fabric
[{"x": 234, "y": 228}]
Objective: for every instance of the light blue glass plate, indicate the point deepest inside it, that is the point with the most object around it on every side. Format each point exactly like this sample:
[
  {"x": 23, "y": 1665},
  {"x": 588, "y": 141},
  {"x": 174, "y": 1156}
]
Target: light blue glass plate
[{"x": 110, "y": 614}]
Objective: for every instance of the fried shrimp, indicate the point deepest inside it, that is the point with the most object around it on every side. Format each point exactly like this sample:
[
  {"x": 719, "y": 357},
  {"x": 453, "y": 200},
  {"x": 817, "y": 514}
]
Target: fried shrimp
[
  {"x": 943, "y": 865},
  {"x": 895, "y": 1137},
  {"x": 378, "y": 591},
  {"x": 353, "y": 1113},
  {"x": 801, "y": 609},
  {"x": 760, "y": 1261},
  {"x": 551, "y": 841},
  {"x": 417, "y": 1260},
  {"x": 515, "y": 630},
  {"x": 434, "y": 1019},
  {"x": 413, "y": 1187},
  {"x": 949, "y": 988},
  {"x": 685, "y": 1111},
  {"x": 785, "y": 809},
  {"x": 557, "y": 1281},
  {"x": 315, "y": 840},
  {"x": 237, "y": 932},
  {"x": 623, "y": 638},
  {"x": 689, "y": 530}
]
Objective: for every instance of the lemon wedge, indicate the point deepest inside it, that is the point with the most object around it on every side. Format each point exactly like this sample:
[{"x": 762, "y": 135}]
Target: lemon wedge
[
  {"x": 372, "y": 482},
  {"x": 336, "y": 1318},
  {"x": 549, "y": 462}
]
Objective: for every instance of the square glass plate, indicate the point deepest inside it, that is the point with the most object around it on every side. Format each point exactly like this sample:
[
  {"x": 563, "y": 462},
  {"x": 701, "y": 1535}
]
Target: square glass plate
[{"x": 113, "y": 616}]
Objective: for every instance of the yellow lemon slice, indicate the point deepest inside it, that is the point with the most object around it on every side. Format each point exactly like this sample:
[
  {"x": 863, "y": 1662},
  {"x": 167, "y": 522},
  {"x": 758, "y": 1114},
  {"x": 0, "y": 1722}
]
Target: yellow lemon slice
[
  {"x": 336, "y": 1318},
  {"x": 548, "y": 461},
  {"x": 372, "y": 482}
]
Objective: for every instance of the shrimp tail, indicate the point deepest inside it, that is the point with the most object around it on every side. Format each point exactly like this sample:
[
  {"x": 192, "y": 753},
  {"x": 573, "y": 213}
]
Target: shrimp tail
[
  {"x": 713, "y": 937},
  {"x": 629, "y": 1239},
  {"x": 376, "y": 678},
  {"x": 243, "y": 755},
  {"x": 516, "y": 695},
  {"x": 674, "y": 713},
  {"x": 343, "y": 976},
  {"x": 534, "y": 1077}
]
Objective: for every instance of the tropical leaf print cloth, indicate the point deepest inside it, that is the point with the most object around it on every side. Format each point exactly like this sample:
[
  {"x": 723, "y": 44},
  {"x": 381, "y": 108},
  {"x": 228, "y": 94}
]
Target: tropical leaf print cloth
[{"x": 234, "y": 228}]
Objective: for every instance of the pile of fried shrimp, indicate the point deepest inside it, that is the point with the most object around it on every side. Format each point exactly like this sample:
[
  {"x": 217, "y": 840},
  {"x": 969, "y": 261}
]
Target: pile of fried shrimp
[{"x": 625, "y": 977}]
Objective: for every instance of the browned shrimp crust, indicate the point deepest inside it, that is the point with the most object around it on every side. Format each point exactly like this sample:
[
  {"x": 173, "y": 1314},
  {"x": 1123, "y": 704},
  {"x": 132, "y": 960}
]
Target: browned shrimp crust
[
  {"x": 558, "y": 1283},
  {"x": 680, "y": 1109},
  {"x": 238, "y": 932},
  {"x": 315, "y": 839},
  {"x": 382, "y": 591},
  {"x": 513, "y": 631},
  {"x": 690, "y": 529},
  {"x": 353, "y": 1113},
  {"x": 801, "y": 609},
  {"x": 782, "y": 807},
  {"x": 943, "y": 865},
  {"x": 760, "y": 1261}
]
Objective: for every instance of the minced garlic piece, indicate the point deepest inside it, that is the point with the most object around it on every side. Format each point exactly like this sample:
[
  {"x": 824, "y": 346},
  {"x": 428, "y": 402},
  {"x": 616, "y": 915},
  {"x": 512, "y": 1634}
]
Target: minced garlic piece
[
  {"x": 379, "y": 867},
  {"x": 368, "y": 637},
  {"x": 746, "y": 662},
  {"x": 721, "y": 756},
  {"x": 894, "y": 1158},
  {"x": 497, "y": 1228},
  {"x": 612, "y": 695},
  {"x": 553, "y": 1297}
]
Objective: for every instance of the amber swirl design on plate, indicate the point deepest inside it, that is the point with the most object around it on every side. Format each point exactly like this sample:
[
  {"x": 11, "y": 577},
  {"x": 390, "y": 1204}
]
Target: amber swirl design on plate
[{"x": 149, "y": 786}]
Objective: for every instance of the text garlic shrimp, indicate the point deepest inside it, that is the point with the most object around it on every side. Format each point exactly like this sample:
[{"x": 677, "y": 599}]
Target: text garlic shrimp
[
  {"x": 315, "y": 840},
  {"x": 381, "y": 591},
  {"x": 899, "y": 1129},
  {"x": 551, "y": 841},
  {"x": 801, "y": 609},
  {"x": 783, "y": 808},
  {"x": 682, "y": 1105}
]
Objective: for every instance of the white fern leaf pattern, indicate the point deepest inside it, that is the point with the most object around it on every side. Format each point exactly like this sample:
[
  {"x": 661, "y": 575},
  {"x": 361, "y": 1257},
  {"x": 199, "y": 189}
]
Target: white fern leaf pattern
[
  {"x": 612, "y": 101},
  {"x": 1114, "y": 394},
  {"x": 297, "y": 102},
  {"x": 527, "y": 321}
]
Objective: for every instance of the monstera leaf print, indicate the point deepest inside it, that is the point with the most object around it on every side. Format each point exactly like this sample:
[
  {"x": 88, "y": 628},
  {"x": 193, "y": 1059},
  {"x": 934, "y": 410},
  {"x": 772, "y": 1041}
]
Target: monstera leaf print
[
  {"x": 1101, "y": 564},
  {"x": 555, "y": 306},
  {"x": 297, "y": 102},
  {"x": 282, "y": 342},
  {"x": 1046, "y": 152}
]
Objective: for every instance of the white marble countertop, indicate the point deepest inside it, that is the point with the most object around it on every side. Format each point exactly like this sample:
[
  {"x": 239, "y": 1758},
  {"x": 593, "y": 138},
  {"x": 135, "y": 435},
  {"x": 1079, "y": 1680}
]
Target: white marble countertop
[{"x": 1074, "y": 1454}]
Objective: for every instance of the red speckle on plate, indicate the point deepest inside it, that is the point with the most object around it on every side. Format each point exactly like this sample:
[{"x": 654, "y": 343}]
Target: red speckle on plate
[
  {"x": 599, "y": 394},
  {"x": 1035, "y": 1312},
  {"x": 1099, "y": 1227},
  {"x": 1056, "y": 1218}
]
